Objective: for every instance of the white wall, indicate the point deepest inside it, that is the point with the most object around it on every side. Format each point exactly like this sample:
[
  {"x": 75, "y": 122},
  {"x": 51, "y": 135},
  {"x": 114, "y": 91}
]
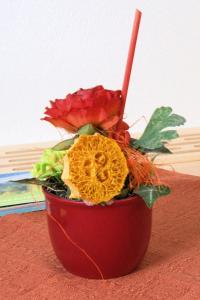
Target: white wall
[{"x": 52, "y": 47}]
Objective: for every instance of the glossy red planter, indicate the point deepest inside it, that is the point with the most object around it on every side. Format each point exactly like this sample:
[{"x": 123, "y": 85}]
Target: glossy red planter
[{"x": 99, "y": 241}]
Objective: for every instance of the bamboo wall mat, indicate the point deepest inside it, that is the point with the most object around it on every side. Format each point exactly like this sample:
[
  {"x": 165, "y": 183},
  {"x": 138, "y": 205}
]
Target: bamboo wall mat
[{"x": 185, "y": 157}]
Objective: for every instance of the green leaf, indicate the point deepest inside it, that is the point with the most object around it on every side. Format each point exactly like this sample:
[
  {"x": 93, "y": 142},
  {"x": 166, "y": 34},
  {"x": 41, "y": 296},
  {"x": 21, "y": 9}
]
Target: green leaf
[
  {"x": 30, "y": 181},
  {"x": 64, "y": 145},
  {"x": 123, "y": 194},
  {"x": 150, "y": 193},
  {"x": 53, "y": 184},
  {"x": 87, "y": 129},
  {"x": 33, "y": 181},
  {"x": 161, "y": 149},
  {"x": 154, "y": 137}
]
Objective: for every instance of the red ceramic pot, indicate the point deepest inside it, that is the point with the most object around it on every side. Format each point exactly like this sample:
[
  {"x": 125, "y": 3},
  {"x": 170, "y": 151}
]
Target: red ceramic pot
[{"x": 99, "y": 241}]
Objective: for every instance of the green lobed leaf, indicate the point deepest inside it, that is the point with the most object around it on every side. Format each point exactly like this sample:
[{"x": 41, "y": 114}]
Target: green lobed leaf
[
  {"x": 150, "y": 193},
  {"x": 64, "y": 145},
  {"x": 88, "y": 129},
  {"x": 154, "y": 137},
  {"x": 161, "y": 149}
]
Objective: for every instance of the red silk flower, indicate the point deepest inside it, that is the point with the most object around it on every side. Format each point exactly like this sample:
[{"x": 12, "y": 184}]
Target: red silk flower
[{"x": 96, "y": 106}]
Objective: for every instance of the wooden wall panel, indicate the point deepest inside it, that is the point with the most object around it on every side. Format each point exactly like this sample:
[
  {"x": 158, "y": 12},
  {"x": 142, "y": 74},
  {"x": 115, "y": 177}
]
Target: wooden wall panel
[{"x": 185, "y": 157}]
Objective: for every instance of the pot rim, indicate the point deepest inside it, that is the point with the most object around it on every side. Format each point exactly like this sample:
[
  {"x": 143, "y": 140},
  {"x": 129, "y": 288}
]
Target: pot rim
[{"x": 116, "y": 202}]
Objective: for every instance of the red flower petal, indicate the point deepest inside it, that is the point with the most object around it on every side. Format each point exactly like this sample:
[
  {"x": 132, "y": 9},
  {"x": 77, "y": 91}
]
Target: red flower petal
[
  {"x": 61, "y": 123},
  {"x": 97, "y": 106}
]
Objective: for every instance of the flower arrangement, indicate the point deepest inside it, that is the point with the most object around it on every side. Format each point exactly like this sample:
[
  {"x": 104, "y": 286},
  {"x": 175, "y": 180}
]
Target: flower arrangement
[
  {"x": 101, "y": 184},
  {"x": 101, "y": 162}
]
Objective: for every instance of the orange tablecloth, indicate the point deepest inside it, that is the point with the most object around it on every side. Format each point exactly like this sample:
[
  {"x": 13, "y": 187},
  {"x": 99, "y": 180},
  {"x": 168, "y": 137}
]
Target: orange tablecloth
[{"x": 170, "y": 269}]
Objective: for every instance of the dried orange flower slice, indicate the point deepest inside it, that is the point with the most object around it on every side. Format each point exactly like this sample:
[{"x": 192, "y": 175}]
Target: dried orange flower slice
[{"x": 95, "y": 168}]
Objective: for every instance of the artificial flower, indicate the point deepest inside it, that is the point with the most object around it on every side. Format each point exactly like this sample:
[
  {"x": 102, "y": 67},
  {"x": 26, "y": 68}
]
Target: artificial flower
[
  {"x": 97, "y": 106},
  {"x": 50, "y": 165},
  {"x": 95, "y": 169}
]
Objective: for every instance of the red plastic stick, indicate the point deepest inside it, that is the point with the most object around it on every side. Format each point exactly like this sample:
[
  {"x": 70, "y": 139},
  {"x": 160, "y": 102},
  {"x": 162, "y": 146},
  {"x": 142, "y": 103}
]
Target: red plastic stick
[{"x": 129, "y": 63}]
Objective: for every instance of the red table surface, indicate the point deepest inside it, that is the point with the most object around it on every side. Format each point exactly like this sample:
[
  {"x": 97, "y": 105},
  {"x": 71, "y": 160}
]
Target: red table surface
[{"x": 170, "y": 269}]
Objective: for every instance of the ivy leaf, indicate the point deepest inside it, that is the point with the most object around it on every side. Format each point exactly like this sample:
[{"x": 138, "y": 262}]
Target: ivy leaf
[
  {"x": 88, "y": 129},
  {"x": 154, "y": 137},
  {"x": 64, "y": 145},
  {"x": 150, "y": 193}
]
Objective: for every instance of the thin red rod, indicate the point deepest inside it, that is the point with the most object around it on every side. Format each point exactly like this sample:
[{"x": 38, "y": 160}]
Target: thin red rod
[{"x": 129, "y": 63}]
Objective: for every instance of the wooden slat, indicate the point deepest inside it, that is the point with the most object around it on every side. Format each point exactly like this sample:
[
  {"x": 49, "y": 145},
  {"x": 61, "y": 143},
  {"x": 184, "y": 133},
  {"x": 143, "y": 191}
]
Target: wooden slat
[
  {"x": 192, "y": 168},
  {"x": 21, "y": 157},
  {"x": 185, "y": 157},
  {"x": 186, "y": 152}
]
